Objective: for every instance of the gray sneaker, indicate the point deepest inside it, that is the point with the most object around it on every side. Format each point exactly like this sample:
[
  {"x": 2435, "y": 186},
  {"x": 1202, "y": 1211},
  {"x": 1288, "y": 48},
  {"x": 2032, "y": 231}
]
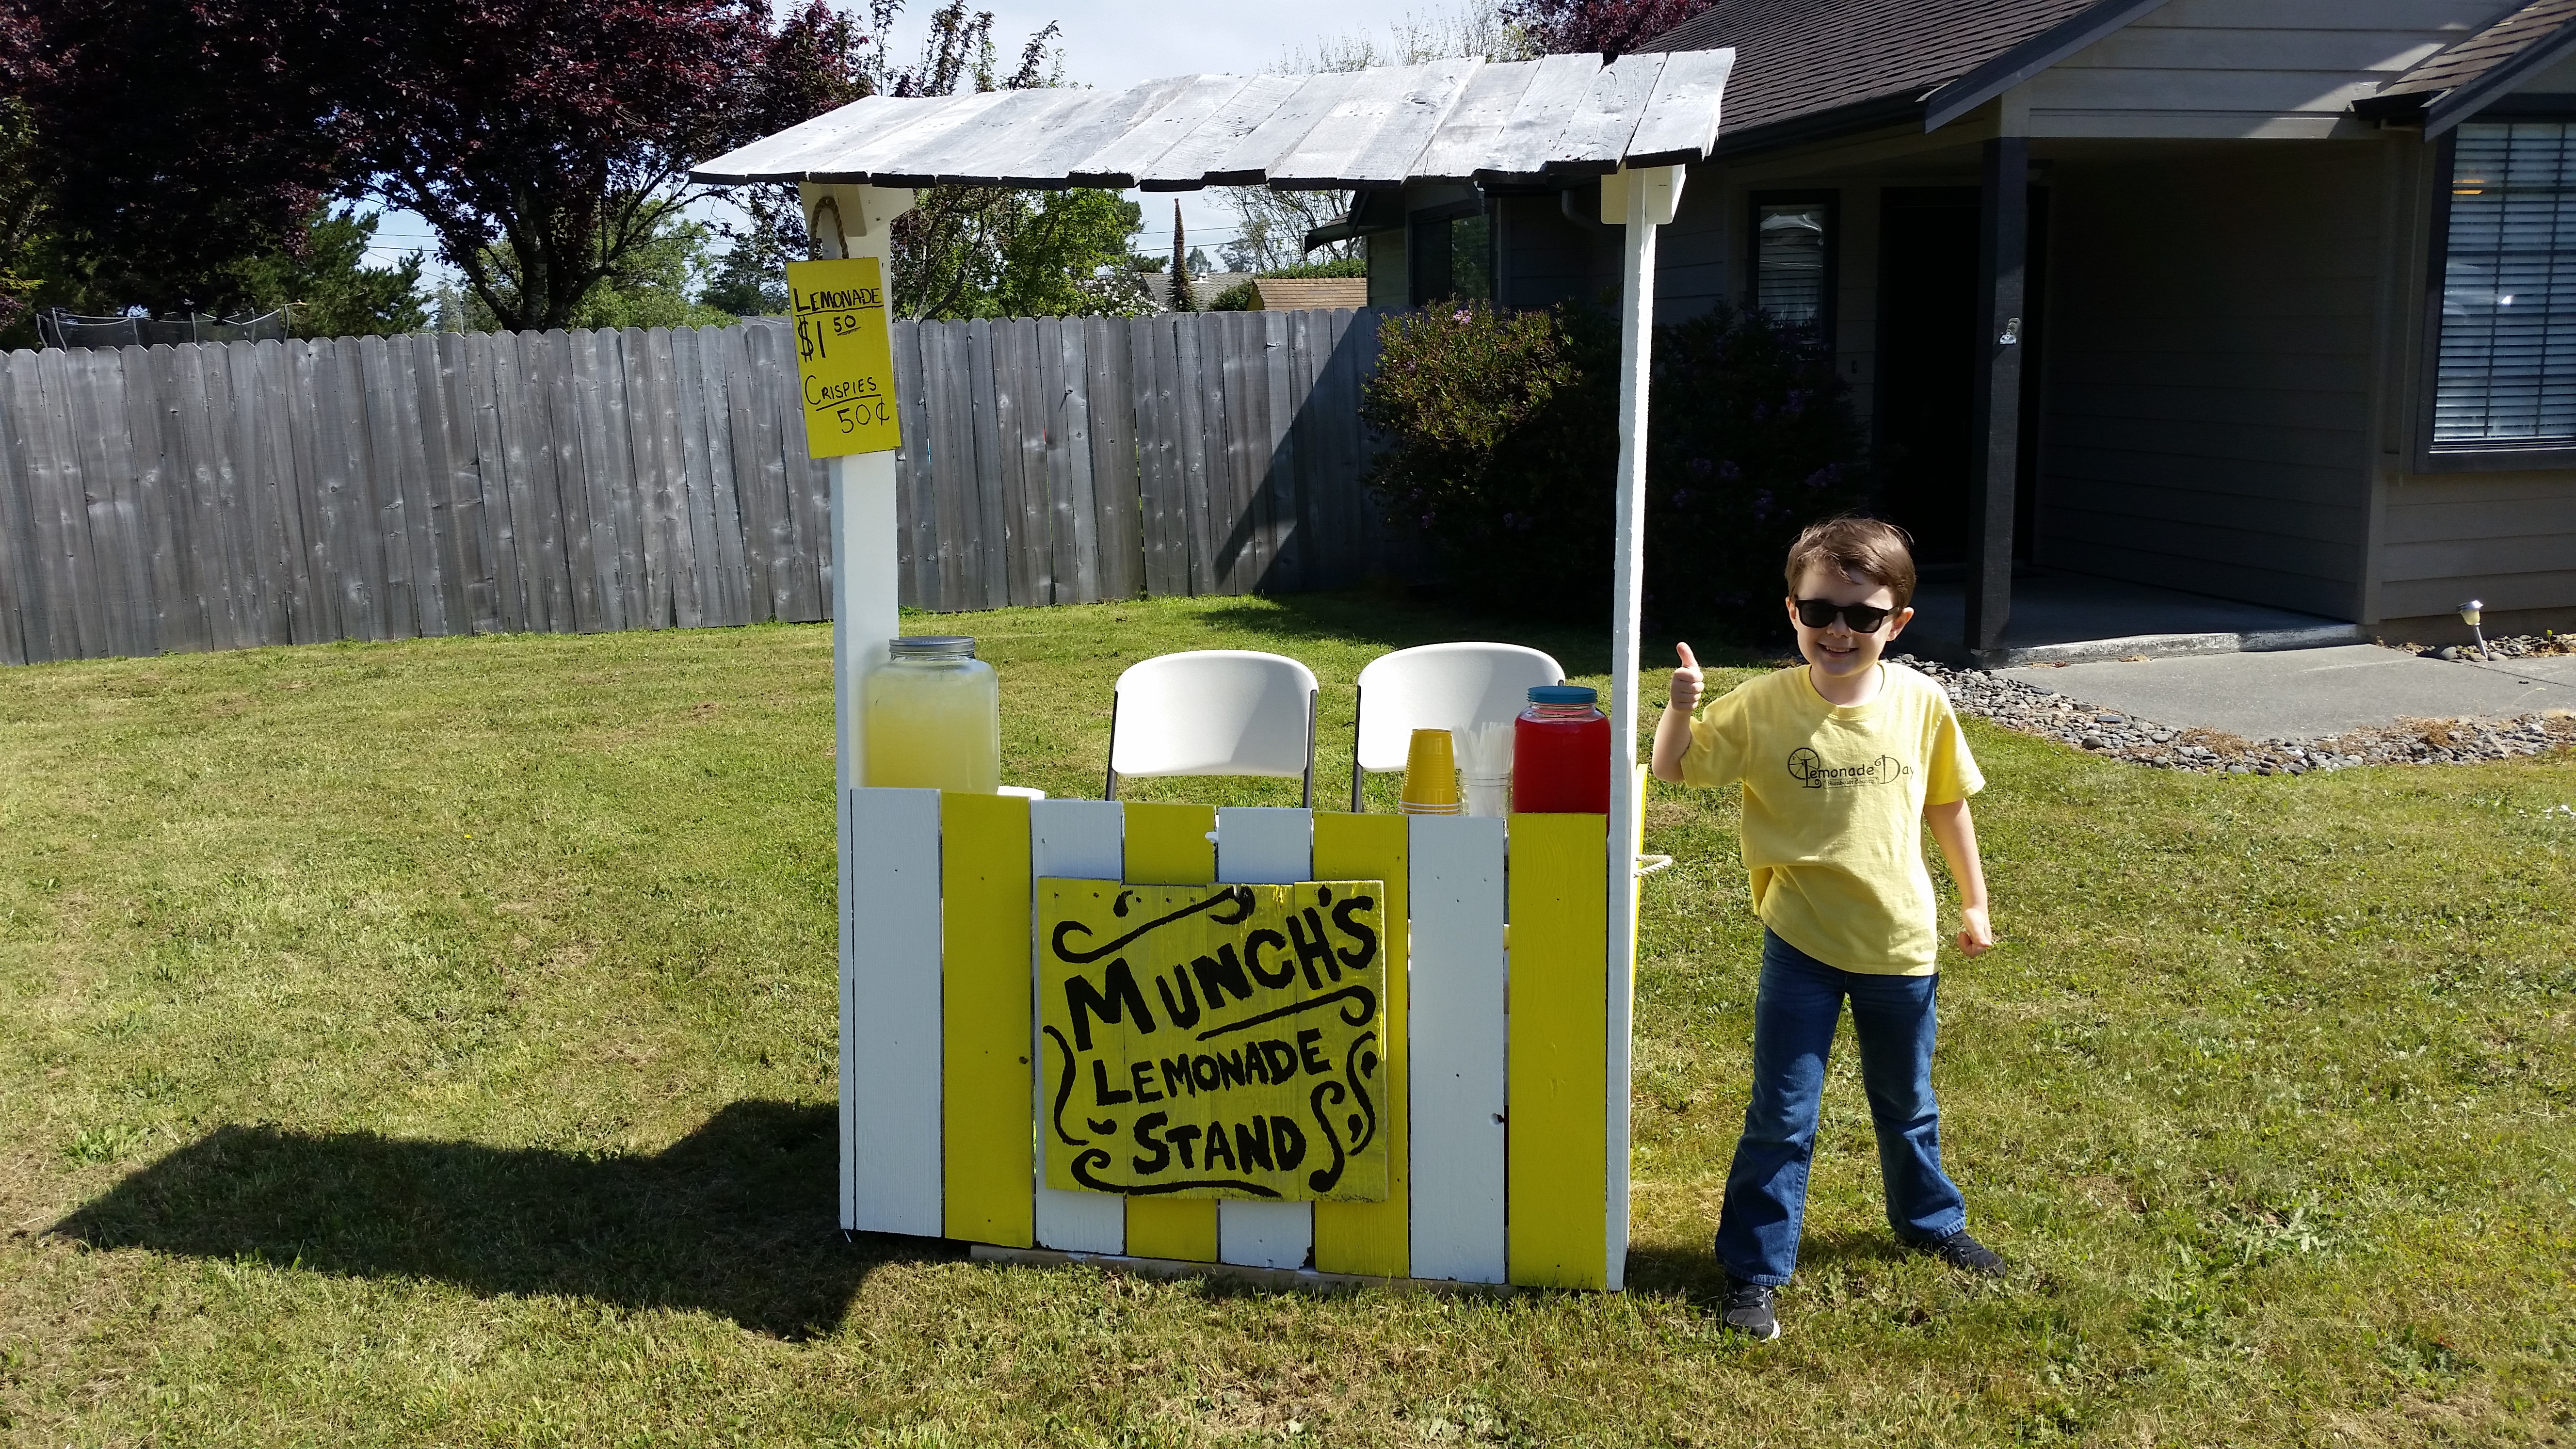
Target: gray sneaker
[{"x": 1747, "y": 1310}]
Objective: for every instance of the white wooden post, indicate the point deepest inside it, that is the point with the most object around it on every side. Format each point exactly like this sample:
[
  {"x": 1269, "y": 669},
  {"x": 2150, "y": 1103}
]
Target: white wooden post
[
  {"x": 857, "y": 221},
  {"x": 854, "y": 221},
  {"x": 1646, "y": 197}
]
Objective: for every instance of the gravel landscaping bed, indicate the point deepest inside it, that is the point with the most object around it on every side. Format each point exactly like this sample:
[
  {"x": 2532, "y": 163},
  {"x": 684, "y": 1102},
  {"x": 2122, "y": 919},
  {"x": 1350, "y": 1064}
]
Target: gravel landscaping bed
[
  {"x": 2512, "y": 646},
  {"x": 2116, "y": 735}
]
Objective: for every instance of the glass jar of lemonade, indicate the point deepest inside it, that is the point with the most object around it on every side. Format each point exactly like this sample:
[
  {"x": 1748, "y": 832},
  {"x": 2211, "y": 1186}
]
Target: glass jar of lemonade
[{"x": 934, "y": 717}]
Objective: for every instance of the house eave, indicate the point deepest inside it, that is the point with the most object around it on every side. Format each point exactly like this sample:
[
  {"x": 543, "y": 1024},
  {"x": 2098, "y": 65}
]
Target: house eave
[
  {"x": 1874, "y": 114},
  {"x": 2029, "y": 58}
]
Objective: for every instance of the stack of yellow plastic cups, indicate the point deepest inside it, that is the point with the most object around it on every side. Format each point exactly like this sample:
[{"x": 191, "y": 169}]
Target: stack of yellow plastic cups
[{"x": 1430, "y": 775}]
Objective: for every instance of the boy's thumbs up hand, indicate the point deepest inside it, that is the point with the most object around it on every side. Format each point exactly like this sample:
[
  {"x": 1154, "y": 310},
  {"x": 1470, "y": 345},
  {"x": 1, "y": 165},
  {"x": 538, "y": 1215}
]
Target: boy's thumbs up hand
[{"x": 1688, "y": 683}]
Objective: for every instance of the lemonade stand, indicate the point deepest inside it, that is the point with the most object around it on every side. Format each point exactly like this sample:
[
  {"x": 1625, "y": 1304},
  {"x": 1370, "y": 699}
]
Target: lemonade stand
[{"x": 1288, "y": 1042}]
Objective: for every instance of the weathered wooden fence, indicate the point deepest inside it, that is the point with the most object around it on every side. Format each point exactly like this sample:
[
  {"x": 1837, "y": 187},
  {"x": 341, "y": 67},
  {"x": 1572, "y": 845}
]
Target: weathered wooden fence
[{"x": 223, "y": 496}]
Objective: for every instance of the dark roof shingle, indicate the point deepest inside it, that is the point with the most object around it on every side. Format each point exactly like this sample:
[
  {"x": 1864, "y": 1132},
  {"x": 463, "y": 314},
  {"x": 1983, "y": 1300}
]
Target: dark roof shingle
[
  {"x": 2472, "y": 59},
  {"x": 1798, "y": 57}
]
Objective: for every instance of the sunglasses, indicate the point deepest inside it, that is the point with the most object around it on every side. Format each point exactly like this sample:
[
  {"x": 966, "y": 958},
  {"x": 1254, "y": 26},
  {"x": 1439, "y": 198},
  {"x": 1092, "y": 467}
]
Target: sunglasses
[{"x": 1862, "y": 618}]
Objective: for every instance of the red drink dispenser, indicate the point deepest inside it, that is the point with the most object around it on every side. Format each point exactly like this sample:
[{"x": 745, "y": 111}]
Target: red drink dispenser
[{"x": 1561, "y": 753}]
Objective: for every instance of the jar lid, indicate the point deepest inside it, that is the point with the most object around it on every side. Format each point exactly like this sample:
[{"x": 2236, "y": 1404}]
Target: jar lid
[
  {"x": 1563, "y": 694},
  {"x": 932, "y": 646}
]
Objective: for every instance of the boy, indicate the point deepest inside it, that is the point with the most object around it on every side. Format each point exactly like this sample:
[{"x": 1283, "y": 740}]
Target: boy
[{"x": 1841, "y": 760}]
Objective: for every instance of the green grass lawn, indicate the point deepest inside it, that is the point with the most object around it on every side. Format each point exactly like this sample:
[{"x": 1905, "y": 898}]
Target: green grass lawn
[{"x": 432, "y": 1043}]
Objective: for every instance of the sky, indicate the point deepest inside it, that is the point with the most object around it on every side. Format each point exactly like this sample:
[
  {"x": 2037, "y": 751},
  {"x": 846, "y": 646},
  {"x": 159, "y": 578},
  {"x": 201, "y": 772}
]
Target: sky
[{"x": 1109, "y": 44}]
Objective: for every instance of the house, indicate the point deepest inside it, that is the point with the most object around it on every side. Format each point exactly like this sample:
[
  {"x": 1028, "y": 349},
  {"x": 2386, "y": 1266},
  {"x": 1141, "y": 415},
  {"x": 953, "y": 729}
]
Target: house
[
  {"x": 1205, "y": 288},
  {"x": 2264, "y": 301}
]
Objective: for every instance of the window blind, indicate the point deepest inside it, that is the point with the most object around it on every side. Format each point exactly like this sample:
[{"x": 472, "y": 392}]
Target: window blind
[
  {"x": 2505, "y": 376},
  {"x": 1789, "y": 261}
]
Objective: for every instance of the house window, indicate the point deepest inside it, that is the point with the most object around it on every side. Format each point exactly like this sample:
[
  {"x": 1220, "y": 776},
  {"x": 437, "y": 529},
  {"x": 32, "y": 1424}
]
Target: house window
[
  {"x": 1453, "y": 257},
  {"x": 1793, "y": 249},
  {"x": 2505, "y": 372}
]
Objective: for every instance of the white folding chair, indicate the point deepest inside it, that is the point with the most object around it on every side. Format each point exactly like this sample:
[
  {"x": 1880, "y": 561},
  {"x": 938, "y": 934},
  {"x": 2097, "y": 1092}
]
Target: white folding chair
[
  {"x": 1214, "y": 712},
  {"x": 1438, "y": 687}
]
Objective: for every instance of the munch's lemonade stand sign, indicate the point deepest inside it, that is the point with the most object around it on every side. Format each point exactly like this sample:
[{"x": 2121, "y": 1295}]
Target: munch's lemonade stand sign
[
  {"x": 1216, "y": 1042},
  {"x": 844, "y": 361}
]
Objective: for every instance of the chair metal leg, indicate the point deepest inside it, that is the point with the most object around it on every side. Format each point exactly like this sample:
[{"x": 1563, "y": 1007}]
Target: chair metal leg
[
  {"x": 1310, "y": 749},
  {"x": 1359, "y": 710}
]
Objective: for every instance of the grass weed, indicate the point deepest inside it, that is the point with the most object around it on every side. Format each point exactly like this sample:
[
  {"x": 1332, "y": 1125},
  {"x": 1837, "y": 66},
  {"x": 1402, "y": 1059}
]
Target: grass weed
[{"x": 432, "y": 1043}]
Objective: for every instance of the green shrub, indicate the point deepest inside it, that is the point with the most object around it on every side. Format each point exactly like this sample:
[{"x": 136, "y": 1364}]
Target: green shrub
[
  {"x": 1498, "y": 447},
  {"x": 1501, "y": 447},
  {"x": 1751, "y": 439},
  {"x": 1241, "y": 297}
]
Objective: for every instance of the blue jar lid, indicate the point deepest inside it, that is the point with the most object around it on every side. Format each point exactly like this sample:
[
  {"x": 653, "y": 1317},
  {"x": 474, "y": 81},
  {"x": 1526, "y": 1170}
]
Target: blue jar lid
[{"x": 1563, "y": 694}]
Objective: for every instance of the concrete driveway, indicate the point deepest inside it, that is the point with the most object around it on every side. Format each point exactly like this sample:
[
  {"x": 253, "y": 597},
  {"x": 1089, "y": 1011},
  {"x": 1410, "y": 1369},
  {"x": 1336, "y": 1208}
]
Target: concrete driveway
[{"x": 2304, "y": 693}]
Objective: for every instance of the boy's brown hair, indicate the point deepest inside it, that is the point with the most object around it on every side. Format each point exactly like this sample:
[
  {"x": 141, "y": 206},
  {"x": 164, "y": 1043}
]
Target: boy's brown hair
[{"x": 1859, "y": 548}]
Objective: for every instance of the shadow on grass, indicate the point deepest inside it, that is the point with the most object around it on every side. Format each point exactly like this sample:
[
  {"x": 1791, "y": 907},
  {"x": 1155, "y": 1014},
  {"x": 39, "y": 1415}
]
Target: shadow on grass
[
  {"x": 738, "y": 1218},
  {"x": 1692, "y": 1274}
]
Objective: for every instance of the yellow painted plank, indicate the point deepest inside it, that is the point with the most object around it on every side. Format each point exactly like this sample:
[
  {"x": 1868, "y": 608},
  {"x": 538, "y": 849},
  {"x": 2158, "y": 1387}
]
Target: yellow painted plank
[
  {"x": 1375, "y": 1237},
  {"x": 1169, "y": 845},
  {"x": 988, "y": 1160},
  {"x": 1557, "y": 1132}
]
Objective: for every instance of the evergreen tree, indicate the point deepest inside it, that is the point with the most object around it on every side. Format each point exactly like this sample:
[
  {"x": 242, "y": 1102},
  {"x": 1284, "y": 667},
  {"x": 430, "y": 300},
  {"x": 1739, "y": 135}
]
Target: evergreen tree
[
  {"x": 328, "y": 284},
  {"x": 1183, "y": 298}
]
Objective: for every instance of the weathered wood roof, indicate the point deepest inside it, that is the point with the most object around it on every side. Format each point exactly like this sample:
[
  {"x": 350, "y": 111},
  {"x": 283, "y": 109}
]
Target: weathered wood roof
[{"x": 1563, "y": 116}]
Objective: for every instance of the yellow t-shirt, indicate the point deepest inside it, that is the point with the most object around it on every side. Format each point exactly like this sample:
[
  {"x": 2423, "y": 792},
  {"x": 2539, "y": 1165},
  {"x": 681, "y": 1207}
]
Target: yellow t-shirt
[{"x": 1833, "y": 810}]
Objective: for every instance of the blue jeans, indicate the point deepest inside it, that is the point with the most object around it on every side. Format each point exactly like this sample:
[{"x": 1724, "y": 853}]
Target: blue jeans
[{"x": 1794, "y": 1016}]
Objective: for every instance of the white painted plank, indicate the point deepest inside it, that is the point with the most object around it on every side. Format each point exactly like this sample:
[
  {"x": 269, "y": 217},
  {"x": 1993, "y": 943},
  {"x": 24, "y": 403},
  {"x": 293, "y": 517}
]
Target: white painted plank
[
  {"x": 1377, "y": 129},
  {"x": 1049, "y": 158},
  {"x": 857, "y": 161},
  {"x": 1458, "y": 1040},
  {"x": 1264, "y": 845},
  {"x": 1265, "y": 1234},
  {"x": 1595, "y": 138},
  {"x": 1249, "y": 160},
  {"x": 1390, "y": 156},
  {"x": 1077, "y": 840},
  {"x": 891, "y": 1032},
  {"x": 1467, "y": 136},
  {"x": 1525, "y": 146},
  {"x": 1189, "y": 159},
  {"x": 1679, "y": 124},
  {"x": 849, "y": 1169},
  {"x": 1125, "y": 157},
  {"x": 1005, "y": 138},
  {"x": 1003, "y": 128},
  {"x": 832, "y": 131}
]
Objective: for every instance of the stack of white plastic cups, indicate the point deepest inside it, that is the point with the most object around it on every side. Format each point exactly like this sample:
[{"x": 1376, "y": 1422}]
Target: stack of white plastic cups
[{"x": 1485, "y": 762}]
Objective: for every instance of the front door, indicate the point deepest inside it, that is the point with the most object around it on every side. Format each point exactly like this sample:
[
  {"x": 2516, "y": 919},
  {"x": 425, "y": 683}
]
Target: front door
[{"x": 1928, "y": 353}]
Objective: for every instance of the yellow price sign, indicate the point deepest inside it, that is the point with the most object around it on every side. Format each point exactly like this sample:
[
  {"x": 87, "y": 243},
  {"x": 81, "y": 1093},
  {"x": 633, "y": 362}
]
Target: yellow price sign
[{"x": 844, "y": 357}]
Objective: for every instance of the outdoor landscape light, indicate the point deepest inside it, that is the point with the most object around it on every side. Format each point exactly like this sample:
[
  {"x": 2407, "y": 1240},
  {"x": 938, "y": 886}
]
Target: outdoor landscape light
[{"x": 2470, "y": 613}]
